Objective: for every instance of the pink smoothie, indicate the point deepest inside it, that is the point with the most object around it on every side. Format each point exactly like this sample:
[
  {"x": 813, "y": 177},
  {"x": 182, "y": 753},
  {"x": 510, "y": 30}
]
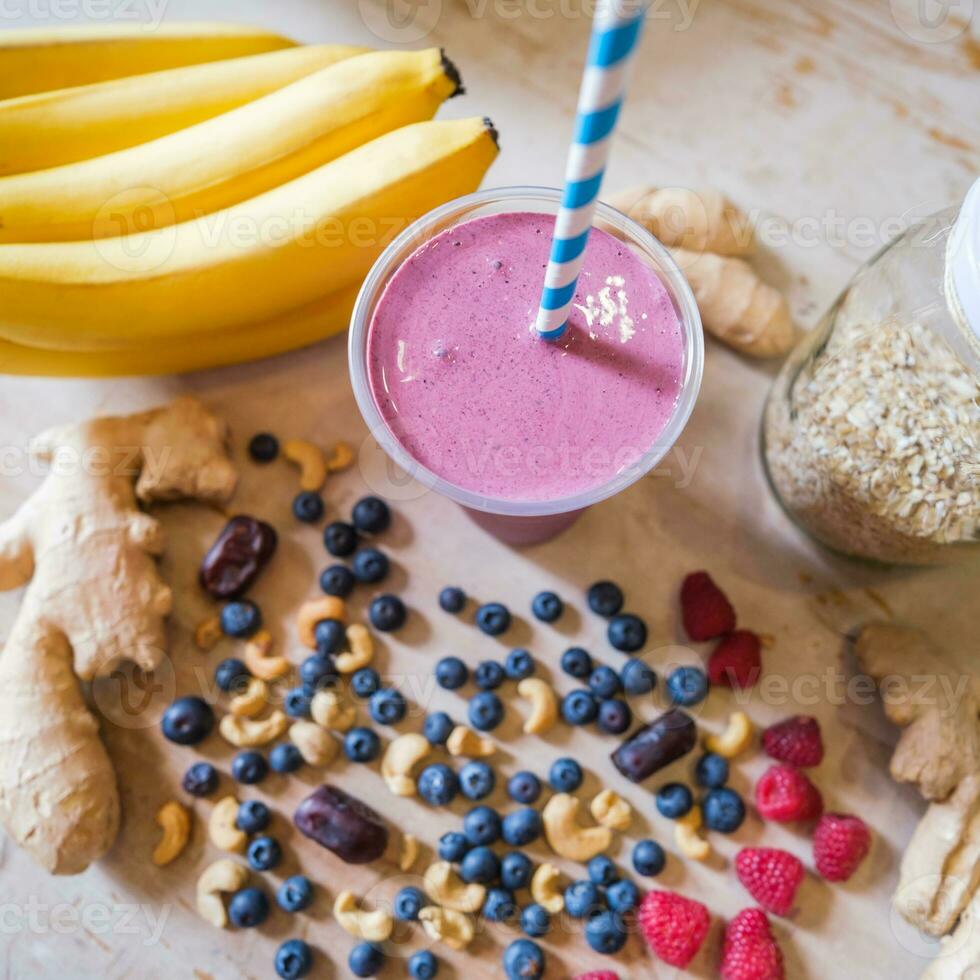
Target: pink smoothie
[{"x": 468, "y": 388}]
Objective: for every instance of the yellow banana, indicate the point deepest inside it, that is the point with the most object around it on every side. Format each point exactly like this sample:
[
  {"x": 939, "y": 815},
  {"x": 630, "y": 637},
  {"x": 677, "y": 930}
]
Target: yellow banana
[
  {"x": 249, "y": 263},
  {"x": 53, "y": 128},
  {"x": 299, "y": 328},
  {"x": 230, "y": 158},
  {"x": 45, "y": 59}
]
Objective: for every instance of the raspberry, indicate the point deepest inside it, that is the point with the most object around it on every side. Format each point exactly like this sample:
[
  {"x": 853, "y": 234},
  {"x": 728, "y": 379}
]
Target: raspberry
[
  {"x": 784, "y": 794},
  {"x": 840, "y": 843},
  {"x": 749, "y": 950},
  {"x": 736, "y": 661},
  {"x": 673, "y": 926},
  {"x": 598, "y": 975},
  {"x": 770, "y": 876},
  {"x": 795, "y": 741},
  {"x": 705, "y": 609}
]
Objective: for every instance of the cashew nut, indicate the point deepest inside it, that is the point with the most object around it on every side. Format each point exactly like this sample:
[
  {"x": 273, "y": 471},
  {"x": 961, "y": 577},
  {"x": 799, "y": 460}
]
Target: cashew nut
[
  {"x": 735, "y": 739},
  {"x": 309, "y": 458},
  {"x": 689, "y": 842},
  {"x": 221, "y": 826},
  {"x": 611, "y": 810},
  {"x": 464, "y": 741},
  {"x": 259, "y": 661},
  {"x": 316, "y": 745},
  {"x": 544, "y": 705},
  {"x": 249, "y": 732},
  {"x": 546, "y": 889},
  {"x": 341, "y": 456},
  {"x": 566, "y": 837},
  {"x": 375, "y": 927},
  {"x": 444, "y": 886},
  {"x": 361, "y": 649},
  {"x": 399, "y": 759},
  {"x": 175, "y": 821},
  {"x": 453, "y": 928},
  {"x": 409, "y": 852},
  {"x": 252, "y": 700},
  {"x": 207, "y": 633},
  {"x": 222, "y": 876},
  {"x": 311, "y": 612},
  {"x": 332, "y": 710}
]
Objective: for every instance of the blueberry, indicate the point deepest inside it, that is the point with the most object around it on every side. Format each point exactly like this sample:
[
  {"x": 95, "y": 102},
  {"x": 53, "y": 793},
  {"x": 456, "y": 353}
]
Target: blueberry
[
  {"x": 582, "y": 899},
  {"x": 317, "y": 672},
  {"x": 365, "y": 683},
  {"x": 423, "y": 965},
  {"x": 308, "y": 507},
  {"x": 476, "y": 780},
  {"x": 622, "y": 895},
  {"x": 438, "y": 784},
  {"x": 604, "y": 598},
  {"x": 370, "y": 565},
  {"x": 340, "y": 539},
  {"x": 295, "y": 893},
  {"x": 387, "y": 613},
  {"x": 519, "y": 664},
  {"x": 362, "y": 745},
  {"x": 201, "y": 779},
  {"x": 488, "y": 675},
  {"x": 337, "y": 580},
  {"x": 486, "y": 711},
  {"x": 438, "y": 727},
  {"x": 187, "y": 721},
  {"x": 453, "y": 846},
  {"x": 711, "y": 771},
  {"x": 602, "y": 871},
  {"x": 579, "y": 708},
  {"x": 515, "y": 870},
  {"x": 451, "y": 673},
  {"x": 604, "y": 683},
  {"x": 365, "y": 960},
  {"x": 371, "y": 515},
  {"x": 535, "y": 920},
  {"x": 615, "y": 717},
  {"x": 723, "y": 809},
  {"x": 493, "y": 618},
  {"x": 408, "y": 903},
  {"x": 499, "y": 905},
  {"x": 637, "y": 677},
  {"x": 482, "y": 825},
  {"x": 606, "y": 933},
  {"x": 285, "y": 757},
  {"x": 248, "y": 908},
  {"x": 253, "y": 816},
  {"x": 330, "y": 636},
  {"x": 387, "y": 706},
  {"x": 263, "y": 447},
  {"x": 547, "y": 607},
  {"x": 296, "y": 703},
  {"x": 294, "y": 959},
  {"x": 229, "y": 672},
  {"x": 521, "y": 827},
  {"x": 674, "y": 800},
  {"x": 687, "y": 686},
  {"x": 565, "y": 775},
  {"x": 480, "y": 866},
  {"x": 524, "y": 787},
  {"x": 627, "y": 632},
  {"x": 452, "y": 599},
  {"x": 648, "y": 858},
  {"x": 576, "y": 662},
  {"x": 240, "y": 619},
  {"x": 249, "y": 767},
  {"x": 264, "y": 853},
  {"x": 524, "y": 960}
]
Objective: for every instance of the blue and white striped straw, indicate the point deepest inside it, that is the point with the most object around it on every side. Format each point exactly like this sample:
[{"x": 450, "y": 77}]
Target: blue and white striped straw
[{"x": 615, "y": 32}]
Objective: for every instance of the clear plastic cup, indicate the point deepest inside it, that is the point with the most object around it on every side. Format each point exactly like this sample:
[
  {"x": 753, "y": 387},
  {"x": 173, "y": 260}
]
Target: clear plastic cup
[{"x": 524, "y": 521}]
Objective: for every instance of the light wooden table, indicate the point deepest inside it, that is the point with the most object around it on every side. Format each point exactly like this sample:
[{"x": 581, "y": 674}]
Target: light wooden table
[{"x": 823, "y": 115}]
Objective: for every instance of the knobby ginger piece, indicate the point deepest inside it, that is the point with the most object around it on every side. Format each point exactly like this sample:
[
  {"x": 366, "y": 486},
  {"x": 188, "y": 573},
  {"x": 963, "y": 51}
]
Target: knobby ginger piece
[{"x": 959, "y": 953}]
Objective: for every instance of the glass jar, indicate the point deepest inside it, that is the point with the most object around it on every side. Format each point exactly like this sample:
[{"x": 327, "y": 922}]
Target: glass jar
[{"x": 871, "y": 433}]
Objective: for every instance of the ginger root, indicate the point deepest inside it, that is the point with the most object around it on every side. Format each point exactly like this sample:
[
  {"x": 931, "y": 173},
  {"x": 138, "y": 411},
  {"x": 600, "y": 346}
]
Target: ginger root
[{"x": 95, "y": 598}]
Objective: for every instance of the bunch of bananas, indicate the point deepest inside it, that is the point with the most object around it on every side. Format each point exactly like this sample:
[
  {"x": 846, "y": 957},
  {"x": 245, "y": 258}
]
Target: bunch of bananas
[{"x": 207, "y": 194}]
